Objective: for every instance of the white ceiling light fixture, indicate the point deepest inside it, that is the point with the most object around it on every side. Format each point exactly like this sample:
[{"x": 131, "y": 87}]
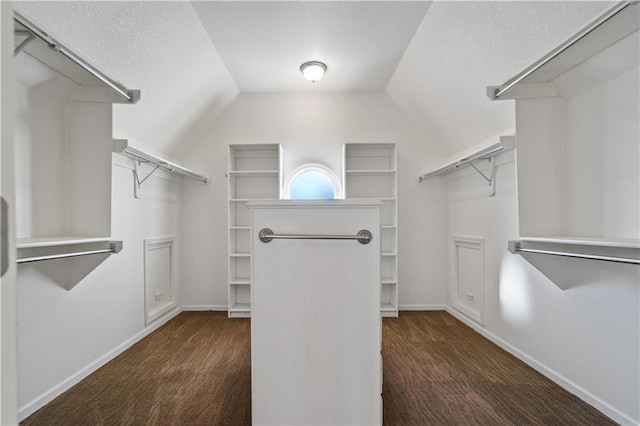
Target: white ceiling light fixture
[{"x": 313, "y": 70}]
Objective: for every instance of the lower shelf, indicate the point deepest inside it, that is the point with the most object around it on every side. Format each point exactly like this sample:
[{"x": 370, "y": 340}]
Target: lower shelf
[
  {"x": 388, "y": 310},
  {"x": 240, "y": 310}
]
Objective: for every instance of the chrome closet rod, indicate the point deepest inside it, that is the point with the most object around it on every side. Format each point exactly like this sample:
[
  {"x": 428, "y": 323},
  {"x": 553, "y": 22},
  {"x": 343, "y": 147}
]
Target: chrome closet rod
[
  {"x": 55, "y": 45},
  {"x": 65, "y": 255},
  {"x": 265, "y": 235},
  {"x": 564, "y": 46},
  {"x": 579, "y": 255}
]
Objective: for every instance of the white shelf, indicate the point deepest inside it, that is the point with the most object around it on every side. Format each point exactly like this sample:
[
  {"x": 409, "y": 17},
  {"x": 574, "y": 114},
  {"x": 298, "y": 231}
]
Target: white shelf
[
  {"x": 633, "y": 243},
  {"x": 240, "y": 307},
  {"x": 370, "y": 173},
  {"x": 387, "y": 307},
  {"x": 26, "y": 243},
  {"x": 466, "y": 158},
  {"x": 535, "y": 81},
  {"x": 122, "y": 147},
  {"x": 239, "y": 254},
  {"x": 254, "y": 173}
]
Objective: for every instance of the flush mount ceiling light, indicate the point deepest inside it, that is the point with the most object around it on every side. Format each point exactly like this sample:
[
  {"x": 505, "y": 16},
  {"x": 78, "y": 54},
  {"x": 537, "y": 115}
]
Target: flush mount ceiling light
[{"x": 313, "y": 70}]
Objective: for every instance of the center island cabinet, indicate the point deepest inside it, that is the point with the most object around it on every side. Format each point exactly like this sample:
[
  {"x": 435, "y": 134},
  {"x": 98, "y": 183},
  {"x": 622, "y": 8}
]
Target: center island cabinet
[{"x": 316, "y": 332}]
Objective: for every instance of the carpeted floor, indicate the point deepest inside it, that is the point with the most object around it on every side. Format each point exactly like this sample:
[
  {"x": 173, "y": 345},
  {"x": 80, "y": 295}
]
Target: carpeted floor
[{"x": 195, "y": 370}]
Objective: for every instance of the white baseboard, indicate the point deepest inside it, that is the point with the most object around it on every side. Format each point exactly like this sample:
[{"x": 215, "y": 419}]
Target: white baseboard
[
  {"x": 217, "y": 308},
  {"x": 48, "y": 396},
  {"x": 604, "y": 407},
  {"x": 421, "y": 307}
]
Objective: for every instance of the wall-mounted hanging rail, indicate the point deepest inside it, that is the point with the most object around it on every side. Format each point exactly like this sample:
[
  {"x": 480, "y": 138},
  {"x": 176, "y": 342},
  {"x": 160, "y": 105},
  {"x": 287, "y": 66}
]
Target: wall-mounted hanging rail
[
  {"x": 37, "y": 43},
  {"x": 546, "y": 248},
  {"x": 121, "y": 146},
  {"x": 111, "y": 249},
  {"x": 266, "y": 235},
  {"x": 482, "y": 153},
  {"x": 534, "y": 81},
  {"x": 51, "y": 249}
]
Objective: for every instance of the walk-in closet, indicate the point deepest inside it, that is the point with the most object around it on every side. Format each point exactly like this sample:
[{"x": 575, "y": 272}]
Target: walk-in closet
[{"x": 336, "y": 213}]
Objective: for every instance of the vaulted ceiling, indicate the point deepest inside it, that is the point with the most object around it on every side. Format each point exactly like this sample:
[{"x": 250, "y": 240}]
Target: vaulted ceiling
[{"x": 190, "y": 59}]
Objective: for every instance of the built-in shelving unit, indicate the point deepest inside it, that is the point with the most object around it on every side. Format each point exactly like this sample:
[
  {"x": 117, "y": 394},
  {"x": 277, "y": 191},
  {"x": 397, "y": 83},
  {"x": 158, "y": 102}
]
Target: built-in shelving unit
[
  {"x": 63, "y": 140},
  {"x": 254, "y": 174},
  {"x": 578, "y": 175},
  {"x": 370, "y": 170}
]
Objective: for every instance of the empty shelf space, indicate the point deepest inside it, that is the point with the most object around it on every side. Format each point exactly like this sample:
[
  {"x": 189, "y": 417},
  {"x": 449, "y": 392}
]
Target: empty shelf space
[
  {"x": 240, "y": 281},
  {"x": 389, "y": 281},
  {"x": 388, "y": 254}
]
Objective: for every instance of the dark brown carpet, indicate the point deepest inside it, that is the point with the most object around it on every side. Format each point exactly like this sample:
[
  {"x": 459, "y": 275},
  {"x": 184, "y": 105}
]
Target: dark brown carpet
[{"x": 195, "y": 370}]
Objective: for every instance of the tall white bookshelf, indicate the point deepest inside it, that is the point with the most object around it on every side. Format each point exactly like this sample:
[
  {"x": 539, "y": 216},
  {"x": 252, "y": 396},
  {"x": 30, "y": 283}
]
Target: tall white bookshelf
[
  {"x": 370, "y": 170},
  {"x": 254, "y": 173}
]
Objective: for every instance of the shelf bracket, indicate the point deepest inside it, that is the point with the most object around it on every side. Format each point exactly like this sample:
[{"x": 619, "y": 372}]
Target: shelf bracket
[
  {"x": 137, "y": 183},
  {"x": 24, "y": 42},
  {"x": 492, "y": 177}
]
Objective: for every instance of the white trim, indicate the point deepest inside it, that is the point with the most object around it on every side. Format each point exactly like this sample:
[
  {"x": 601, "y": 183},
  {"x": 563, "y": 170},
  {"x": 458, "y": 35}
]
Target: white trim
[
  {"x": 37, "y": 403},
  {"x": 473, "y": 243},
  {"x": 604, "y": 407},
  {"x": 421, "y": 307},
  {"x": 337, "y": 184},
  {"x": 196, "y": 308},
  {"x": 155, "y": 244}
]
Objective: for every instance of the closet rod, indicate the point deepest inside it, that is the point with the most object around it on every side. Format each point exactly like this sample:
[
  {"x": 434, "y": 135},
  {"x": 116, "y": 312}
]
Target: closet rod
[
  {"x": 112, "y": 249},
  {"x": 131, "y": 95},
  {"x": 266, "y": 235},
  {"x": 561, "y": 48},
  {"x": 518, "y": 249},
  {"x": 136, "y": 154}
]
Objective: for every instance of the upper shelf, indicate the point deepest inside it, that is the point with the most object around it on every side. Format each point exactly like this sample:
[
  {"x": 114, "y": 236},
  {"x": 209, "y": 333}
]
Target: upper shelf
[
  {"x": 94, "y": 84},
  {"x": 535, "y": 80},
  {"x": 121, "y": 146},
  {"x": 482, "y": 152}
]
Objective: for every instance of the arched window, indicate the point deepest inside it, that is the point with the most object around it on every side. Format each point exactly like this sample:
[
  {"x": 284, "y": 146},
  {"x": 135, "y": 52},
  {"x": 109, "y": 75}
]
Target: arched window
[{"x": 313, "y": 182}]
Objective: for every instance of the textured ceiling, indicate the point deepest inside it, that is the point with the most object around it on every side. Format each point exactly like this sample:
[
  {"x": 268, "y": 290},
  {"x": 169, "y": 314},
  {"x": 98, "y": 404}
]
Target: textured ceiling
[
  {"x": 462, "y": 47},
  {"x": 191, "y": 59},
  {"x": 264, "y": 43},
  {"x": 159, "y": 48}
]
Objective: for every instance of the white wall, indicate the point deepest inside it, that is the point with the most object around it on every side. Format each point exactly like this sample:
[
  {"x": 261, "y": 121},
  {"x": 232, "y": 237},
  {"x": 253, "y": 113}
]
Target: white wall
[
  {"x": 585, "y": 337},
  {"x": 8, "y": 376},
  {"x": 313, "y": 127},
  {"x": 63, "y": 334}
]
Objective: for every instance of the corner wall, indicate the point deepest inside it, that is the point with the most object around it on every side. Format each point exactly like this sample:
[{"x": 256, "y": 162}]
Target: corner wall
[
  {"x": 64, "y": 335},
  {"x": 312, "y": 128},
  {"x": 586, "y": 338}
]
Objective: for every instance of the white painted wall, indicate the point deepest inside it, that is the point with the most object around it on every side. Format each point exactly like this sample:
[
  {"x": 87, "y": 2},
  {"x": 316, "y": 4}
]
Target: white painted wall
[
  {"x": 8, "y": 376},
  {"x": 586, "y": 337},
  {"x": 312, "y": 128},
  {"x": 64, "y": 335}
]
